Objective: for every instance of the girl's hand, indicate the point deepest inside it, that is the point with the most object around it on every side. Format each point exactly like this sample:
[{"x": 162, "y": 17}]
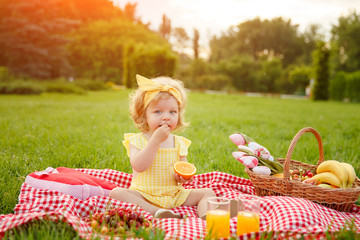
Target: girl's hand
[
  {"x": 181, "y": 180},
  {"x": 161, "y": 133}
]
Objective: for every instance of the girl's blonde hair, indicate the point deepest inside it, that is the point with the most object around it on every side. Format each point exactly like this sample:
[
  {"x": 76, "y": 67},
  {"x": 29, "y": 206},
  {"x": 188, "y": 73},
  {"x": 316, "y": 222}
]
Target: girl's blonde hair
[{"x": 137, "y": 107}]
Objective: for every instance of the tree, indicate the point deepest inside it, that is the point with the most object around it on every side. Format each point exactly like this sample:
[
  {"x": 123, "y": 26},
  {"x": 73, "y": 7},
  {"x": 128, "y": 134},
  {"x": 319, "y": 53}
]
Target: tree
[
  {"x": 130, "y": 12},
  {"x": 91, "y": 10},
  {"x": 165, "y": 27},
  {"x": 250, "y": 37},
  {"x": 270, "y": 38},
  {"x": 271, "y": 71},
  {"x": 32, "y": 38},
  {"x": 196, "y": 43},
  {"x": 282, "y": 38},
  {"x": 275, "y": 45},
  {"x": 181, "y": 38},
  {"x": 242, "y": 70},
  {"x": 300, "y": 77},
  {"x": 320, "y": 90},
  {"x": 113, "y": 51},
  {"x": 223, "y": 47},
  {"x": 346, "y": 35},
  {"x": 310, "y": 37}
]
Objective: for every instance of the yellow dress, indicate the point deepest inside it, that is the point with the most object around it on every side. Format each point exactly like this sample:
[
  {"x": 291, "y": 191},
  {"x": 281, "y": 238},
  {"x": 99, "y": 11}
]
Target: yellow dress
[{"x": 157, "y": 184}]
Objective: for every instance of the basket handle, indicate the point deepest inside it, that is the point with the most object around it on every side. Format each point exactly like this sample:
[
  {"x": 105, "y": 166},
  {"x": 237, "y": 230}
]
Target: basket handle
[{"x": 292, "y": 146}]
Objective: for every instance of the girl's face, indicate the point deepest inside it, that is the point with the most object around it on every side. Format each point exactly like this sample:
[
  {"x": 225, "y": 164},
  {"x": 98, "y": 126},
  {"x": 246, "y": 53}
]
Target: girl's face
[{"x": 164, "y": 111}]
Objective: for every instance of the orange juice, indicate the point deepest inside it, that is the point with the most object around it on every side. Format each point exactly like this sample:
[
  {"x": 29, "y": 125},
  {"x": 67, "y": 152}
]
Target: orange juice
[
  {"x": 247, "y": 222},
  {"x": 218, "y": 223}
]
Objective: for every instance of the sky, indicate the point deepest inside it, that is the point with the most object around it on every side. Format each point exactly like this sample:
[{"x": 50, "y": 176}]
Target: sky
[{"x": 213, "y": 17}]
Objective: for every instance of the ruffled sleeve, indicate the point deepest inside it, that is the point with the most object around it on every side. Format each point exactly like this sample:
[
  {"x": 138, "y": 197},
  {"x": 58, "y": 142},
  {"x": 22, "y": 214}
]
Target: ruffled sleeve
[
  {"x": 136, "y": 139},
  {"x": 184, "y": 144}
]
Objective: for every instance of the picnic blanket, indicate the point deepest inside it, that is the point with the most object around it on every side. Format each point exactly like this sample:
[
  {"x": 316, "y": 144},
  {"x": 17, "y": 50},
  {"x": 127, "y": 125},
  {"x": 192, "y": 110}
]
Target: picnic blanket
[{"x": 284, "y": 216}]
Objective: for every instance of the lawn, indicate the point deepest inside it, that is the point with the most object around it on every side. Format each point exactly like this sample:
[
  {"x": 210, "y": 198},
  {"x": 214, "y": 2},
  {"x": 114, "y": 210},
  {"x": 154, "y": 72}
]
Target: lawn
[{"x": 85, "y": 131}]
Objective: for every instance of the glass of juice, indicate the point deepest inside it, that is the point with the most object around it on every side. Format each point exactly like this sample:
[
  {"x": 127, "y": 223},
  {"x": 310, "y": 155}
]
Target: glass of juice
[
  {"x": 248, "y": 217},
  {"x": 218, "y": 217}
]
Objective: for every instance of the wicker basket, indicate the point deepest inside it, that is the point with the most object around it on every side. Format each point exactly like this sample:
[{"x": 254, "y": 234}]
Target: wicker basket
[{"x": 339, "y": 199}]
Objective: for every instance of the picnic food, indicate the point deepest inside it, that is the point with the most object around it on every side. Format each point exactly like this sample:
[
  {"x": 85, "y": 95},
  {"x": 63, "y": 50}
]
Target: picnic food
[
  {"x": 311, "y": 181},
  {"x": 352, "y": 175},
  {"x": 118, "y": 221},
  {"x": 324, "y": 185},
  {"x": 300, "y": 174},
  {"x": 334, "y": 173},
  {"x": 336, "y": 168},
  {"x": 330, "y": 174},
  {"x": 278, "y": 175},
  {"x": 185, "y": 169},
  {"x": 329, "y": 178},
  {"x": 340, "y": 199},
  {"x": 252, "y": 154}
]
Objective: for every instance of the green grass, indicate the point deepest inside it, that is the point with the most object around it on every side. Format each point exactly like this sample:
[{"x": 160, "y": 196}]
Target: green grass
[
  {"x": 42, "y": 229},
  {"x": 85, "y": 131}
]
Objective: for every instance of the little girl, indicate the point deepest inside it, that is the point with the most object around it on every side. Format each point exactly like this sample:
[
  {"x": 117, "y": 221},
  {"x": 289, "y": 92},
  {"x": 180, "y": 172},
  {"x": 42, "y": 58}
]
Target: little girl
[{"x": 157, "y": 108}]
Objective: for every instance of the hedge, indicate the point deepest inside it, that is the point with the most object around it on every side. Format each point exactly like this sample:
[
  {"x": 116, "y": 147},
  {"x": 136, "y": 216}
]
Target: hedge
[{"x": 345, "y": 86}]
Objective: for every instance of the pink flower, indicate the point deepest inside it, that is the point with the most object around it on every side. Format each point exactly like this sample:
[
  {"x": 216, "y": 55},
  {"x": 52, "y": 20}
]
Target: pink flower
[
  {"x": 246, "y": 150},
  {"x": 259, "y": 150},
  {"x": 237, "y": 139},
  {"x": 254, "y": 146},
  {"x": 249, "y": 161},
  {"x": 262, "y": 170},
  {"x": 238, "y": 155},
  {"x": 265, "y": 155}
]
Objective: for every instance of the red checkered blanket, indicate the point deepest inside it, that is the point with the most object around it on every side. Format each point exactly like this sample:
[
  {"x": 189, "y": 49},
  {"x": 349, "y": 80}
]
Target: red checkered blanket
[{"x": 286, "y": 216}]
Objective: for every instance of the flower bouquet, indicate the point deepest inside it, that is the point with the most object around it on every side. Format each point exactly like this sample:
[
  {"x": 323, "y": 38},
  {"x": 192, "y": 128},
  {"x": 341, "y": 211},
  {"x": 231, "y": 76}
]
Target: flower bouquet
[{"x": 255, "y": 156}]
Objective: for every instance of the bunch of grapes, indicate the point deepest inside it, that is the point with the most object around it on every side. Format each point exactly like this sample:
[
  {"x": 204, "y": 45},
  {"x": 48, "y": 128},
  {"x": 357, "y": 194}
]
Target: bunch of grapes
[
  {"x": 118, "y": 221},
  {"x": 300, "y": 174}
]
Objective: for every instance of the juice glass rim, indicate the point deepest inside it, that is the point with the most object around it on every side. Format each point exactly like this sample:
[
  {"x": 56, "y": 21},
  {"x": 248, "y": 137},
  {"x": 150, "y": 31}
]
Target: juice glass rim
[{"x": 252, "y": 204}]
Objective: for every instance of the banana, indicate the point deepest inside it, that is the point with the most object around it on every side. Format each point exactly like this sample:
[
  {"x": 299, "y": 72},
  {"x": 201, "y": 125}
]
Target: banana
[
  {"x": 351, "y": 173},
  {"x": 324, "y": 185},
  {"x": 336, "y": 168},
  {"x": 329, "y": 178}
]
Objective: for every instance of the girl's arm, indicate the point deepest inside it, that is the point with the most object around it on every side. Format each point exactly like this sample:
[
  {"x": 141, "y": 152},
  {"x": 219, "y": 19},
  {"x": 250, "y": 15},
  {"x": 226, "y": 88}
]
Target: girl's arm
[{"x": 142, "y": 159}]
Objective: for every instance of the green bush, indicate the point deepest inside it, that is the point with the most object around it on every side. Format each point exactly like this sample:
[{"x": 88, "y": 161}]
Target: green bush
[
  {"x": 21, "y": 87},
  {"x": 352, "y": 90},
  {"x": 4, "y": 74},
  {"x": 214, "y": 82},
  {"x": 149, "y": 61},
  {"x": 345, "y": 86},
  {"x": 243, "y": 71},
  {"x": 321, "y": 56},
  {"x": 92, "y": 85},
  {"x": 270, "y": 71},
  {"x": 300, "y": 78},
  {"x": 116, "y": 50},
  {"x": 62, "y": 87},
  {"x": 59, "y": 86},
  {"x": 337, "y": 86}
]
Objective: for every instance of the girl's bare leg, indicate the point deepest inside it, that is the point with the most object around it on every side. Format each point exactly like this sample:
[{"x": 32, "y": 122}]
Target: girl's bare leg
[
  {"x": 132, "y": 196},
  {"x": 198, "y": 197}
]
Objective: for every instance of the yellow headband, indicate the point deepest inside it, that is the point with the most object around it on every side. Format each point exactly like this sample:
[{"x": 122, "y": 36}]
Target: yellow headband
[{"x": 152, "y": 88}]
